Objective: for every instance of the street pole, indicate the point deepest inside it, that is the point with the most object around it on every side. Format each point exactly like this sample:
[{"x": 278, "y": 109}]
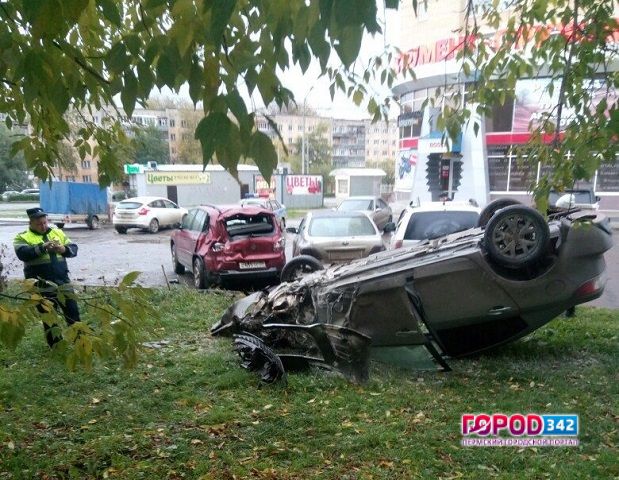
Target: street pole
[
  {"x": 303, "y": 147},
  {"x": 303, "y": 141}
]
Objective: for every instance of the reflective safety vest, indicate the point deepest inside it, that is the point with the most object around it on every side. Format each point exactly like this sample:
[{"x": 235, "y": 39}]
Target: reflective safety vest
[{"x": 37, "y": 262}]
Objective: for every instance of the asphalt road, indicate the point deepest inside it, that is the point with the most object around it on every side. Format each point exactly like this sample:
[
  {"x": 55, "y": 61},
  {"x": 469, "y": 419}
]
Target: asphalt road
[{"x": 105, "y": 257}]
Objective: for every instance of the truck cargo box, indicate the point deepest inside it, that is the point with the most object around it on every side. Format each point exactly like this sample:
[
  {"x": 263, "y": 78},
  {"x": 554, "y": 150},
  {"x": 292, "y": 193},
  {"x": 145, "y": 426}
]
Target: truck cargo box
[{"x": 69, "y": 202}]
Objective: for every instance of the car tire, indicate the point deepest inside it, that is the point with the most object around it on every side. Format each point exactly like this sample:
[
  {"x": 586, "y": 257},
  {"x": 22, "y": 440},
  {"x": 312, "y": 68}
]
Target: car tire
[
  {"x": 299, "y": 266},
  {"x": 121, "y": 230},
  {"x": 153, "y": 226},
  {"x": 199, "y": 274},
  {"x": 283, "y": 224},
  {"x": 178, "y": 267},
  {"x": 493, "y": 207},
  {"x": 92, "y": 222},
  {"x": 516, "y": 236}
]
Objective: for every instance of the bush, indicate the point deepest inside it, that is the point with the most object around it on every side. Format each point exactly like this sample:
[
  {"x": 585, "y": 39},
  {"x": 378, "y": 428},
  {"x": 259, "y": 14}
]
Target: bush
[{"x": 24, "y": 197}]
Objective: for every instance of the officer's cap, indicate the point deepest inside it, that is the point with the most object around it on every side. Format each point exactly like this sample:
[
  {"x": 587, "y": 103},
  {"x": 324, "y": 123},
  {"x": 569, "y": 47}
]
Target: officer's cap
[{"x": 36, "y": 212}]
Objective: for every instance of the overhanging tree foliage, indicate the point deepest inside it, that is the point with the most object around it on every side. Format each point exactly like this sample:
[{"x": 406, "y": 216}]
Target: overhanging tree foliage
[
  {"x": 573, "y": 43},
  {"x": 13, "y": 175},
  {"x": 62, "y": 55}
]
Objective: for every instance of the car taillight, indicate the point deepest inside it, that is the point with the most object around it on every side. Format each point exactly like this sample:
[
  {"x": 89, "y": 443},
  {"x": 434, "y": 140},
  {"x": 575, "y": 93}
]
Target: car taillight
[
  {"x": 398, "y": 244},
  {"x": 143, "y": 211},
  {"x": 218, "y": 247},
  {"x": 279, "y": 245},
  {"x": 591, "y": 287}
]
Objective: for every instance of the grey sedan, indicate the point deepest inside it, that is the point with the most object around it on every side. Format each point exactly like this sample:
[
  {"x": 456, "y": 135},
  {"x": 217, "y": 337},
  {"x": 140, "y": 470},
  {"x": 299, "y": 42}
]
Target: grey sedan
[
  {"x": 376, "y": 208},
  {"x": 335, "y": 236}
]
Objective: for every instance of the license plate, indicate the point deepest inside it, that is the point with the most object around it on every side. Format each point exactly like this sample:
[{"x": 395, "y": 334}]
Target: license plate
[
  {"x": 346, "y": 255},
  {"x": 249, "y": 265}
]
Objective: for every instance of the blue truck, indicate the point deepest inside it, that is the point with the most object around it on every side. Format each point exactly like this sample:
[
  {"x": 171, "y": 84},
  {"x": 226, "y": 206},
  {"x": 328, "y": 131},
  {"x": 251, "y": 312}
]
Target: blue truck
[{"x": 74, "y": 202}]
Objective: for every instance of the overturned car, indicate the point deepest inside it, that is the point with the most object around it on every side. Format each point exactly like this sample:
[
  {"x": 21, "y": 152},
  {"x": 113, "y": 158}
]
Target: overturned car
[{"x": 456, "y": 295}]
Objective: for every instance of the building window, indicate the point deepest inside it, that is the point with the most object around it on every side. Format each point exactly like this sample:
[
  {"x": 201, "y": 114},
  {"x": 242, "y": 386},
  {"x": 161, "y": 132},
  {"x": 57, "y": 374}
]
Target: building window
[
  {"x": 172, "y": 122},
  {"x": 163, "y": 121},
  {"x": 86, "y": 178},
  {"x": 342, "y": 186},
  {"x": 173, "y": 137},
  {"x": 86, "y": 164},
  {"x": 184, "y": 124}
]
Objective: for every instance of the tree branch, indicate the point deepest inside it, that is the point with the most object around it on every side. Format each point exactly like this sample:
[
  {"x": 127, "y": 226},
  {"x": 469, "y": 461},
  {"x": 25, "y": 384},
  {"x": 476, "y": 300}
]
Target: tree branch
[{"x": 89, "y": 69}]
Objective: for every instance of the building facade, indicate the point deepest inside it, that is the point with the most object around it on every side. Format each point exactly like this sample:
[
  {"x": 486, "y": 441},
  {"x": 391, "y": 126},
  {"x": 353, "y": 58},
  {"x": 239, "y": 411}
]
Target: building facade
[{"x": 481, "y": 165}]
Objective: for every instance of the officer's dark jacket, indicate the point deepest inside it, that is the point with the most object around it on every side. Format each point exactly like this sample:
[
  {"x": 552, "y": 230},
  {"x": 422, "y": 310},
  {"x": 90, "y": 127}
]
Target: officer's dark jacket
[{"x": 37, "y": 262}]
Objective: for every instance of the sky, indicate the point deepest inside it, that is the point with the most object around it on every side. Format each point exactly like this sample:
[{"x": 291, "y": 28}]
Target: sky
[{"x": 314, "y": 90}]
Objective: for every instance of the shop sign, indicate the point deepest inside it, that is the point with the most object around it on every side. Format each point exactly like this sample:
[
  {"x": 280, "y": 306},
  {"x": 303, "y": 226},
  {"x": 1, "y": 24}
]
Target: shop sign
[
  {"x": 264, "y": 188},
  {"x": 408, "y": 119},
  {"x": 178, "y": 178},
  {"x": 304, "y": 184}
]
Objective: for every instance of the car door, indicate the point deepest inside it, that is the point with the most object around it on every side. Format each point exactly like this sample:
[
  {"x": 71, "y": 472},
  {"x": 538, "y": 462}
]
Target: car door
[
  {"x": 182, "y": 238},
  {"x": 158, "y": 211},
  {"x": 173, "y": 213},
  {"x": 464, "y": 307},
  {"x": 196, "y": 230}
]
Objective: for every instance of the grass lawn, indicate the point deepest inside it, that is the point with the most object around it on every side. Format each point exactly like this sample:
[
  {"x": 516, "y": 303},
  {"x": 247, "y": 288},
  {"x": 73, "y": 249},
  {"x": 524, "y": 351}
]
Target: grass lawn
[{"x": 189, "y": 411}]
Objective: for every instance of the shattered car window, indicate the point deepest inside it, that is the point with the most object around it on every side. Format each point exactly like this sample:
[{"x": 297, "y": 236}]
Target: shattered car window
[
  {"x": 430, "y": 225},
  {"x": 341, "y": 227},
  {"x": 249, "y": 225}
]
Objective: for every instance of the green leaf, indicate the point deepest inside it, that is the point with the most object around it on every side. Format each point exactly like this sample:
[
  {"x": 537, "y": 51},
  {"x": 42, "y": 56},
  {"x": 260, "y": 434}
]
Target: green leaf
[
  {"x": 208, "y": 130},
  {"x": 129, "y": 279},
  {"x": 263, "y": 153},
  {"x": 117, "y": 59},
  {"x": 167, "y": 66},
  {"x": 110, "y": 11},
  {"x": 348, "y": 44},
  {"x": 128, "y": 95},
  {"x": 195, "y": 82},
  {"x": 221, "y": 11},
  {"x": 357, "y": 97}
]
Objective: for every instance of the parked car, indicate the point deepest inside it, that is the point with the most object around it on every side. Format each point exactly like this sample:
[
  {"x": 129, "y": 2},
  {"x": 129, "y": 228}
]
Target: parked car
[
  {"x": 583, "y": 199},
  {"x": 147, "y": 213},
  {"x": 220, "y": 243},
  {"x": 277, "y": 208},
  {"x": 336, "y": 236},
  {"x": 433, "y": 220},
  {"x": 379, "y": 210},
  {"x": 8, "y": 194},
  {"x": 456, "y": 295},
  {"x": 30, "y": 191}
]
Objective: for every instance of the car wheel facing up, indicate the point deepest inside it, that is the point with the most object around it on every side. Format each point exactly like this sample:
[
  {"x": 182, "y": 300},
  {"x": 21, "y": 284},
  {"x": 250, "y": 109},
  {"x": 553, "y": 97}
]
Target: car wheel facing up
[
  {"x": 300, "y": 266},
  {"x": 121, "y": 230},
  {"x": 516, "y": 236},
  {"x": 493, "y": 207}
]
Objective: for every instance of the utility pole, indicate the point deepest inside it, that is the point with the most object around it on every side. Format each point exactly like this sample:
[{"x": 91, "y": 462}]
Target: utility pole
[{"x": 303, "y": 147}]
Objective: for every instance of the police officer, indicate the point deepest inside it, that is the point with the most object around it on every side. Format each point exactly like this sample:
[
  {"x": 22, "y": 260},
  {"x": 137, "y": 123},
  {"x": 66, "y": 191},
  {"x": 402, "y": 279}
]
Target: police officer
[{"x": 44, "y": 250}]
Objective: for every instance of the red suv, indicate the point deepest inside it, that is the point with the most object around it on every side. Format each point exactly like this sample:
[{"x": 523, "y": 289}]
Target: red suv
[{"x": 229, "y": 242}]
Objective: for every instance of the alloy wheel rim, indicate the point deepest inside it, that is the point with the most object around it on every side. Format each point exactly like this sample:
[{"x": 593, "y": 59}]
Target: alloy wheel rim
[{"x": 515, "y": 236}]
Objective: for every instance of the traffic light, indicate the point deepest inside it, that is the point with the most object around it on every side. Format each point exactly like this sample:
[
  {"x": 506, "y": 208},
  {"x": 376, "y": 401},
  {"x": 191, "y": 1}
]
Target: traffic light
[
  {"x": 456, "y": 170},
  {"x": 433, "y": 178}
]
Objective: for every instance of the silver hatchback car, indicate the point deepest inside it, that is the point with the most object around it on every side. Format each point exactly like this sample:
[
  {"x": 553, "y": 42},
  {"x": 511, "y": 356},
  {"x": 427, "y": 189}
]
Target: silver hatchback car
[{"x": 336, "y": 236}]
